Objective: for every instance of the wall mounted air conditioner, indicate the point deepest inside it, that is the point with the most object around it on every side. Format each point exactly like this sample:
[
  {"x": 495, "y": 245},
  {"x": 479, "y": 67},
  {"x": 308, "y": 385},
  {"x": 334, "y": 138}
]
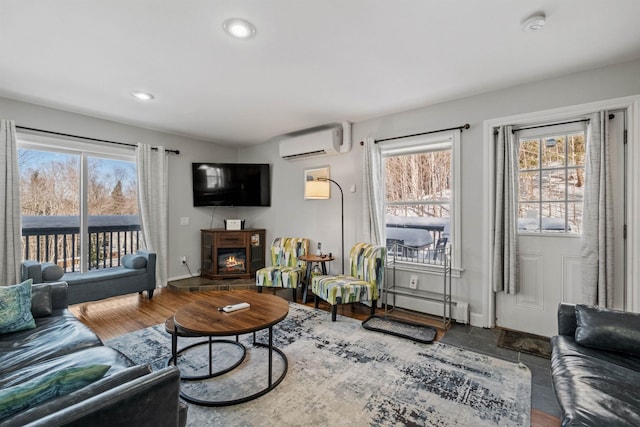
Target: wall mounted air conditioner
[{"x": 319, "y": 141}]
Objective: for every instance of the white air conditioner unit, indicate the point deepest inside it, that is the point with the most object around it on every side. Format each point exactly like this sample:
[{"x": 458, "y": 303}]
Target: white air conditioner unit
[{"x": 316, "y": 142}]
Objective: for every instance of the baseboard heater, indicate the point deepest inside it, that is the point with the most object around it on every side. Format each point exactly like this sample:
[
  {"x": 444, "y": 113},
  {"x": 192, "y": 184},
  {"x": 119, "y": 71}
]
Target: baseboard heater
[{"x": 459, "y": 309}]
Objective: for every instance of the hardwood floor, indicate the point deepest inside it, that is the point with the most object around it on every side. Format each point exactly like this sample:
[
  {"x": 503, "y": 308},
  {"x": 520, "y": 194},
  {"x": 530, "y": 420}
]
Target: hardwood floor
[{"x": 120, "y": 315}]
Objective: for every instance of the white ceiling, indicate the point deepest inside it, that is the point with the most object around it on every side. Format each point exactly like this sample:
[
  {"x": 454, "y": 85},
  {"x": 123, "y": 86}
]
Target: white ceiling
[{"x": 311, "y": 62}]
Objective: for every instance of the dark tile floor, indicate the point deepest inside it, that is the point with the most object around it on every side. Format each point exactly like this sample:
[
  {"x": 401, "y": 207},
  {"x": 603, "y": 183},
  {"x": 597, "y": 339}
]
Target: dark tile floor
[{"x": 485, "y": 341}]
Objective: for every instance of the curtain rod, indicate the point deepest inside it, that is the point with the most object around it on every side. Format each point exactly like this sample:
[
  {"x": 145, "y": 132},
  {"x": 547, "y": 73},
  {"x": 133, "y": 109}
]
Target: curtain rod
[
  {"x": 495, "y": 132},
  {"x": 465, "y": 126},
  {"x": 88, "y": 139}
]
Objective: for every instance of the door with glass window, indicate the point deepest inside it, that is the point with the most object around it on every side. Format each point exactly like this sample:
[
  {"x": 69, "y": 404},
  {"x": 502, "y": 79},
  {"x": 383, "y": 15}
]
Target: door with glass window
[{"x": 551, "y": 187}]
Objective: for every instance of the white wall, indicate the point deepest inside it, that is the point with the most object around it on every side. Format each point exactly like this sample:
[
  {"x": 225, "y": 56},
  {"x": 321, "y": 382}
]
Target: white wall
[
  {"x": 319, "y": 220},
  {"x": 183, "y": 240}
]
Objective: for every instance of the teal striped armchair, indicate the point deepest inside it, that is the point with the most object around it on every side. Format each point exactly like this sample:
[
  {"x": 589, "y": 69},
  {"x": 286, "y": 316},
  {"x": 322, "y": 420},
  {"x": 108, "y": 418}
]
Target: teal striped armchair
[
  {"x": 286, "y": 270},
  {"x": 366, "y": 277}
]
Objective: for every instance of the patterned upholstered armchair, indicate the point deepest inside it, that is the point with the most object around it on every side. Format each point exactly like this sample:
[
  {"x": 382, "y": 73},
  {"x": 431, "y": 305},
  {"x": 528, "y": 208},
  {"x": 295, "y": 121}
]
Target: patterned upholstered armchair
[
  {"x": 286, "y": 269},
  {"x": 366, "y": 267}
]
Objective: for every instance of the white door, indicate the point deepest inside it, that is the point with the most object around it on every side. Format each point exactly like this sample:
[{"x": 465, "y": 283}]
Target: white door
[{"x": 550, "y": 210}]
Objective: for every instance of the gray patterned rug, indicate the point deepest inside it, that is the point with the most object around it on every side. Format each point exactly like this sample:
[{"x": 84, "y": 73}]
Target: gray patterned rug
[{"x": 341, "y": 374}]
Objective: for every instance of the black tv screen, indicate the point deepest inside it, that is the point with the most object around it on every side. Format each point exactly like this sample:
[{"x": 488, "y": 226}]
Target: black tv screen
[{"x": 231, "y": 184}]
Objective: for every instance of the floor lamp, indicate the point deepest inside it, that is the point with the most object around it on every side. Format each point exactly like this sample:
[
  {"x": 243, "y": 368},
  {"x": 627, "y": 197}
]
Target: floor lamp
[{"x": 319, "y": 189}]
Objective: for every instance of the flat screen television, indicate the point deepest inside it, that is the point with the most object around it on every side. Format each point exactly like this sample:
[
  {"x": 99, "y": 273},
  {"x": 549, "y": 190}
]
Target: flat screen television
[{"x": 231, "y": 184}]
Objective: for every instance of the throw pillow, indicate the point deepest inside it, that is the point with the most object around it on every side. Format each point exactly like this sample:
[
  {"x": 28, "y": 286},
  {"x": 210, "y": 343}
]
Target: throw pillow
[
  {"x": 41, "y": 300},
  {"x": 15, "y": 308},
  {"x": 133, "y": 261},
  {"x": 608, "y": 329},
  {"x": 51, "y": 272},
  {"x": 30, "y": 393}
]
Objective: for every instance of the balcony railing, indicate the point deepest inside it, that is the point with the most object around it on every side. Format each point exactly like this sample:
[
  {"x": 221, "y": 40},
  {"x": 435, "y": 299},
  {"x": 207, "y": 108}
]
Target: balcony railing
[{"x": 56, "y": 239}]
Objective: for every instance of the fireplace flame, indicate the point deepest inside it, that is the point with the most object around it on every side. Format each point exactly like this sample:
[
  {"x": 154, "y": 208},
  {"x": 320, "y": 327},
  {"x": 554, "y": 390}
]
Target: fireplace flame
[{"x": 233, "y": 262}]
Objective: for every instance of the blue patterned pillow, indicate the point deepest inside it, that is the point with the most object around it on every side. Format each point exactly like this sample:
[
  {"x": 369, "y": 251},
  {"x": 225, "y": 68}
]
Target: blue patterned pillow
[
  {"x": 15, "y": 307},
  {"x": 30, "y": 393}
]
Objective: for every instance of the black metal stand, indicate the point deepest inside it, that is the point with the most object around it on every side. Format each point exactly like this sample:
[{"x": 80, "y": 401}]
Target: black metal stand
[
  {"x": 271, "y": 384},
  {"x": 341, "y": 215}
]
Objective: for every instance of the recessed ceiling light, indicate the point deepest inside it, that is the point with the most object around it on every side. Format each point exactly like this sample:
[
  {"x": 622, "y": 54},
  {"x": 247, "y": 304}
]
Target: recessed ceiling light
[
  {"x": 143, "y": 96},
  {"x": 239, "y": 28},
  {"x": 534, "y": 23}
]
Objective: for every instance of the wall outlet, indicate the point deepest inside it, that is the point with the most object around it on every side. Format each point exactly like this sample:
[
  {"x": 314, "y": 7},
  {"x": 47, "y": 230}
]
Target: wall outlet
[
  {"x": 413, "y": 282},
  {"x": 183, "y": 259}
]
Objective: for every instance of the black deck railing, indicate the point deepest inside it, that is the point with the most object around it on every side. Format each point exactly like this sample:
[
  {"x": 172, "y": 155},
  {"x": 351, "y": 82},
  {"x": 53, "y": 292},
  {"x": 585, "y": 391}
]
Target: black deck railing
[{"x": 56, "y": 239}]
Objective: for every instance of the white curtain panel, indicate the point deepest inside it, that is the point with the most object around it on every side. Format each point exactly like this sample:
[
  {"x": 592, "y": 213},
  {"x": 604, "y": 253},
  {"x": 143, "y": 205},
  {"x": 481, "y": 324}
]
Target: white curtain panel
[
  {"x": 10, "y": 239},
  {"x": 597, "y": 232},
  {"x": 152, "y": 165},
  {"x": 505, "y": 241},
  {"x": 373, "y": 206}
]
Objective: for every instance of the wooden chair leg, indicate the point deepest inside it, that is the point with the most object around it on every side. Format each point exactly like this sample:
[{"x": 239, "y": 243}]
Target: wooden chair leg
[
  {"x": 293, "y": 292},
  {"x": 374, "y": 303},
  {"x": 316, "y": 301},
  {"x": 259, "y": 289}
]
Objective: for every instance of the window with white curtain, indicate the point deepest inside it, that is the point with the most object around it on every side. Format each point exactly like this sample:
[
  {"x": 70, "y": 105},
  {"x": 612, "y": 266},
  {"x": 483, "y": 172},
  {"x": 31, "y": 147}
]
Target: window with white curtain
[
  {"x": 79, "y": 202},
  {"x": 422, "y": 191}
]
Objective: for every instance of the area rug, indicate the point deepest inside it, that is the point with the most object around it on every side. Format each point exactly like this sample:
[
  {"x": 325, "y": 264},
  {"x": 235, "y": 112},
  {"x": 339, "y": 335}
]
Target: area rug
[
  {"x": 523, "y": 342},
  {"x": 340, "y": 374},
  {"x": 401, "y": 328}
]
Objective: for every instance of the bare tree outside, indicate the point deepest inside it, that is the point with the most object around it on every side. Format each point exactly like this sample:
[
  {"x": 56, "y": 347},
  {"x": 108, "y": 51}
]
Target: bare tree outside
[{"x": 421, "y": 182}]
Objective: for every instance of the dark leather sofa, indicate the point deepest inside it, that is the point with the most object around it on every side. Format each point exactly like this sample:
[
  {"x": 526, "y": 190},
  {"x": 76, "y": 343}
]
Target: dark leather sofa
[
  {"x": 127, "y": 394},
  {"x": 595, "y": 366}
]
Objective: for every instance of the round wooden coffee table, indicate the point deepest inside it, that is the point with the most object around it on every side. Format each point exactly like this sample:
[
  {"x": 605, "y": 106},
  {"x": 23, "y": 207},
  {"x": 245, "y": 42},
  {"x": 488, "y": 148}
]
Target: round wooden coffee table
[{"x": 204, "y": 318}]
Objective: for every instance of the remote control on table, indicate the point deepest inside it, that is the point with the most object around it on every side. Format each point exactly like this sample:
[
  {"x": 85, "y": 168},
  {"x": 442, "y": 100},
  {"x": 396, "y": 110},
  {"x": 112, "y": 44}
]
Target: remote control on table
[{"x": 234, "y": 307}]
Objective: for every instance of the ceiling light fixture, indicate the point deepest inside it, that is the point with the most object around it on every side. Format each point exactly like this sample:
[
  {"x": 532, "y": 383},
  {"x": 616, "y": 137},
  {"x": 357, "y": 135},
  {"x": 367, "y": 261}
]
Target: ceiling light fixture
[
  {"x": 534, "y": 22},
  {"x": 143, "y": 96},
  {"x": 239, "y": 28}
]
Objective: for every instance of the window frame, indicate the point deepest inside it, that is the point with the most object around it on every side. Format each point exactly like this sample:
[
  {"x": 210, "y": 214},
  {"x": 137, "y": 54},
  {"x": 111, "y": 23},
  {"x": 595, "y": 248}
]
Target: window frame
[
  {"x": 428, "y": 143},
  {"x": 84, "y": 150}
]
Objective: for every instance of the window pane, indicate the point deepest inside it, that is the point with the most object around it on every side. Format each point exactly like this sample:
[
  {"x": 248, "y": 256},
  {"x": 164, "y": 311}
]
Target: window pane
[
  {"x": 50, "y": 207},
  {"x": 418, "y": 177},
  {"x": 418, "y": 202},
  {"x": 574, "y": 215},
  {"x": 113, "y": 211},
  {"x": 553, "y": 185},
  {"x": 528, "y": 154},
  {"x": 553, "y": 217},
  {"x": 529, "y": 186},
  {"x": 553, "y": 152},
  {"x": 417, "y": 233},
  {"x": 576, "y": 150},
  {"x": 576, "y": 184},
  {"x": 528, "y": 217}
]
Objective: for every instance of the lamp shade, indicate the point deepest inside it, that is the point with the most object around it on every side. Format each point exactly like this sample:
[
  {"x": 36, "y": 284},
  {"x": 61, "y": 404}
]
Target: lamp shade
[{"x": 317, "y": 190}]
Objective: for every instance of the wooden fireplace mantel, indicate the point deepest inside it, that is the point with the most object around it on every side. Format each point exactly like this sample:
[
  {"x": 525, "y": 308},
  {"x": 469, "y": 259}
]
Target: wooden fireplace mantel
[{"x": 216, "y": 241}]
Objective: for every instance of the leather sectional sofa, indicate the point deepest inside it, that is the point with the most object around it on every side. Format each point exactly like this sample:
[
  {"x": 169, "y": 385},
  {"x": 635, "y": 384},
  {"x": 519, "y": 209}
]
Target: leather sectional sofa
[
  {"x": 126, "y": 394},
  {"x": 595, "y": 366}
]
